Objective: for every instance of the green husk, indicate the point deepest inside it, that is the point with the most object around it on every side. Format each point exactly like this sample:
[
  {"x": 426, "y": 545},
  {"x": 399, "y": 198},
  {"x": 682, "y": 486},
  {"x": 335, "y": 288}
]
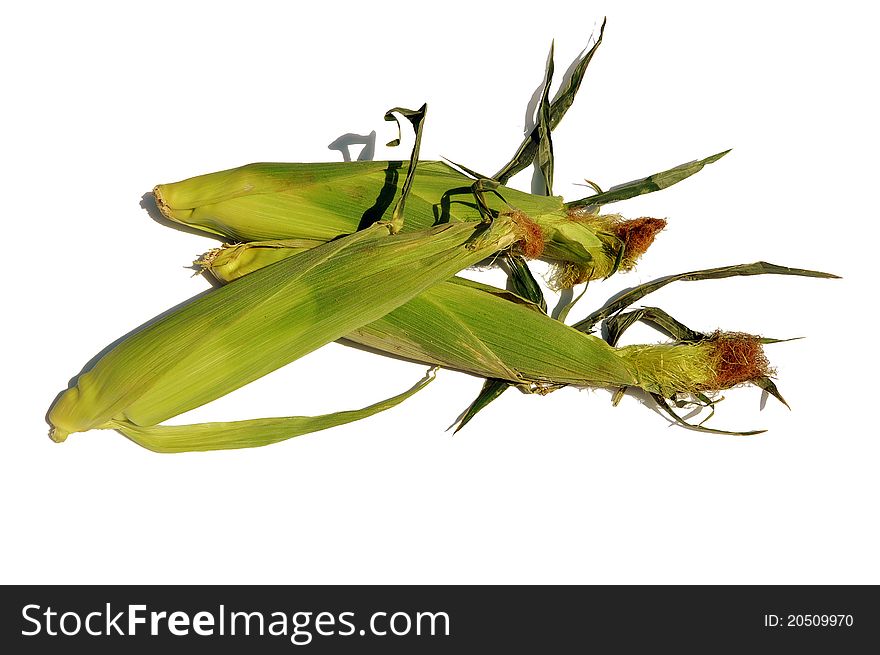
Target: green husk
[
  {"x": 251, "y": 433},
  {"x": 476, "y": 328},
  {"x": 266, "y": 202},
  {"x": 240, "y": 332},
  {"x": 260, "y": 202},
  {"x": 650, "y": 184},
  {"x": 491, "y": 333},
  {"x": 509, "y": 340}
]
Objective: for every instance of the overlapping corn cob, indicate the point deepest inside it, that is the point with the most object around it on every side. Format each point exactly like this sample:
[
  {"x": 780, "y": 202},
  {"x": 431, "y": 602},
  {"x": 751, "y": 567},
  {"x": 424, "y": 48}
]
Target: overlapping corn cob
[
  {"x": 464, "y": 325},
  {"x": 319, "y": 202}
]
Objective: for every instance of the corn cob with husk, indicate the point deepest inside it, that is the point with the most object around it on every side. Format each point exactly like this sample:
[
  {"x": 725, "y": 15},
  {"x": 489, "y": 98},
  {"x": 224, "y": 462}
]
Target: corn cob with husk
[
  {"x": 262, "y": 202},
  {"x": 279, "y": 312},
  {"x": 271, "y": 316},
  {"x": 320, "y": 201},
  {"x": 478, "y": 329},
  {"x": 465, "y": 325},
  {"x": 292, "y": 203},
  {"x": 235, "y": 334},
  {"x": 244, "y": 330}
]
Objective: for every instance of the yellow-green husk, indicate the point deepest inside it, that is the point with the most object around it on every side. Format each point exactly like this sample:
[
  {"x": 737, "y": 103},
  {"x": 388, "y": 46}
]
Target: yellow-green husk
[
  {"x": 320, "y": 201},
  {"x": 238, "y": 333},
  {"x": 475, "y": 328}
]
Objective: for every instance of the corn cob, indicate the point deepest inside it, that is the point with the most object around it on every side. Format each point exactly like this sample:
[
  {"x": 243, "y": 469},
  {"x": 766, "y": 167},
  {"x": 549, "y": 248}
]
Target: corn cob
[
  {"x": 260, "y": 202},
  {"x": 240, "y": 332},
  {"x": 268, "y": 201},
  {"x": 466, "y": 326}
]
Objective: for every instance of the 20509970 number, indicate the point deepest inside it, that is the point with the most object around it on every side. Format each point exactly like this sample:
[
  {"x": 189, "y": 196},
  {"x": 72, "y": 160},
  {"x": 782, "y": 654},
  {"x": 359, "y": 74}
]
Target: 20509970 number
[{"x": 819, "y": 620}]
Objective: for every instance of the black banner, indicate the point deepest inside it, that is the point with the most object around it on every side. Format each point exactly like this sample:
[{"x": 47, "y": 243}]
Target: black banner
[{"x": 393, "y": 619}]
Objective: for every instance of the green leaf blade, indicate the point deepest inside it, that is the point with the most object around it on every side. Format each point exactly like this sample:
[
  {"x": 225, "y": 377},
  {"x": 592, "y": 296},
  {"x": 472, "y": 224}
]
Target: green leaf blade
[
  {"x": 654, "y": 316},
  {"x": 527, "y": 150},
  {"x": 417, "y": 118},
  {"x": 200, "y": 437},
  {"x": 639, "y": 292},
  {"x": 545, "y": 142},
  {"x": 491, "y": 390},
  {"x": 523, "y": 282},
  {"x": 650, "y": 184}
]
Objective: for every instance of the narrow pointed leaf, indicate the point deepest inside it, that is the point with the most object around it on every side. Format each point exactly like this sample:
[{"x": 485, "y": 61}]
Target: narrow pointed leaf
[
  {"x": 469, "y": 171},
  {"x": 522, "y": 280},
  {"x": 567, "y": 92},
  {"x": 525, "y": 285},
  {"x": 545, "y": 142},
  {"x": 649, "y": 184},
  {"x": 250, "y": 433},
  {"x": 637, "y": 293},
  {"x": 527, "y": 150},
  {"x": 490, "y": 391},
  {"x": 655, "y": 316},
  {"x": 567, "y": 307},
  {"x": 767, "y": 340},
  {"x": 770, "y": 387},
  {"x": 479, "y": 187},
  {"x": 663, "y": 404}
]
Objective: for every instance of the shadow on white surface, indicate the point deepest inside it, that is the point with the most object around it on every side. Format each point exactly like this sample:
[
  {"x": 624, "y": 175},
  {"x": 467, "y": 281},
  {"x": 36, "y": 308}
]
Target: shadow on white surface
[{"x": 344, "y": 142}]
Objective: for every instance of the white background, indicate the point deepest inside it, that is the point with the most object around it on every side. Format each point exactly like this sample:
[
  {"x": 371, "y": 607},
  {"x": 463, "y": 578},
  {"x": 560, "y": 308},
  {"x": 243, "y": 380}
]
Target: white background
[{"x": 104, "y": 100}]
